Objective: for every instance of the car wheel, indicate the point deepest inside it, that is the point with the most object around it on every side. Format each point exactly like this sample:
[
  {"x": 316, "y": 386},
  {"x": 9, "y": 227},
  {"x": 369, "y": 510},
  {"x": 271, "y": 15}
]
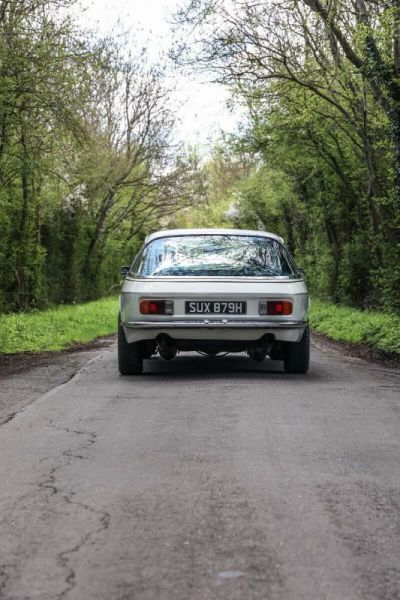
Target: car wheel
[
  {"x": 130, "y": 358},
  {"x": 297, "y": 354}
]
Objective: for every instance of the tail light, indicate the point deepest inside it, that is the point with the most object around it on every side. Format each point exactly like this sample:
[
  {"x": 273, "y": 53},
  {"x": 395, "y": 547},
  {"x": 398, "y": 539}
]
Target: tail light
[
  {"x": 276, "y": 307},
  {"x": 156, "y": 307}
]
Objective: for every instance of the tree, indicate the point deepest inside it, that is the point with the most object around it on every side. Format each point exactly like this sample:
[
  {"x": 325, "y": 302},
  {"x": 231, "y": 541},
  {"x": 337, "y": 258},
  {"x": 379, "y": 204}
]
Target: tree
[
  {"x": 320, "y": 83},
  {"x": 42, "y": 76},
  {"x": 87, "y": 162}
]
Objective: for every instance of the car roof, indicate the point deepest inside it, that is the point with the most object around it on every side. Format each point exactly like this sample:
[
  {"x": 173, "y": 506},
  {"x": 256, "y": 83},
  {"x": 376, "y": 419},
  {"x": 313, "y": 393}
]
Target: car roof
[{"x": 182, "y": 232}]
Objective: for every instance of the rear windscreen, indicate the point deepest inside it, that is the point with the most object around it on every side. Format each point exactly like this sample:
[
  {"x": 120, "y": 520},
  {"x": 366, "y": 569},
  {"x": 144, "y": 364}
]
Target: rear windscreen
[{"x": 214, "y": 256}]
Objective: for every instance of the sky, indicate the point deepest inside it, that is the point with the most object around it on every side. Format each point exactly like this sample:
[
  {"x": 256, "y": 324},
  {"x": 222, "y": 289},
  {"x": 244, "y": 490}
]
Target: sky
[{"x": 202, "y": 111}]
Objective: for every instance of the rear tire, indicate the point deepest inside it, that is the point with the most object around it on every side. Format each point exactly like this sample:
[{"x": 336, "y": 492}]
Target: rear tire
[
  {"x": 297, "y": 354},
  {"x": 130, "y": 358}
]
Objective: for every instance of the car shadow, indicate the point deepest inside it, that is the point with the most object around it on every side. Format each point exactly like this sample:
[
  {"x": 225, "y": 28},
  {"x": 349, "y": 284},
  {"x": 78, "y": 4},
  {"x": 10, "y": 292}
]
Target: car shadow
[{"x": 189, "y": 365}]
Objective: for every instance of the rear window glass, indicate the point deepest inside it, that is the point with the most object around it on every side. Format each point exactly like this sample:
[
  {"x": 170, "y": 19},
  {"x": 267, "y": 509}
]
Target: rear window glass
[{"x": 214, "y": 256}]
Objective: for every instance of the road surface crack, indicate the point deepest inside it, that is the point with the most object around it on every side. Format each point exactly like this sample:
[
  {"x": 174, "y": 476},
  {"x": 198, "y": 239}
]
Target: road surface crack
[
  {"x": 89, "y": 442},
  {"x": 63, "y": 556},
  {"x": 49, "y": 485},
  {"x": 11, "y": 416},
  {"x": 4, "y": 577}
]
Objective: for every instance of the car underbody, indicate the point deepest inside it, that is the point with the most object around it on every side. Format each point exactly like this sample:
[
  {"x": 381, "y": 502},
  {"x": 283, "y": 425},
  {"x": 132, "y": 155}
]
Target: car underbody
[
  {"x": 264, "y": 347},
  {"x": 167, "y": 347}
]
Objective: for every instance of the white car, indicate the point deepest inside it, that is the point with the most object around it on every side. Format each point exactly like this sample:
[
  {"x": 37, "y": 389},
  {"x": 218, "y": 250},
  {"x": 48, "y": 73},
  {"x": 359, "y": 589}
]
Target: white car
[{"x": 212, "y": 291}]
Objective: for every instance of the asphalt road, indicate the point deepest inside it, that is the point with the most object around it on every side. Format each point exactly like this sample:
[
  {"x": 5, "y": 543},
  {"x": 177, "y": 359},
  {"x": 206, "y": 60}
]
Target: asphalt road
[{"x": 205, "y": 479}]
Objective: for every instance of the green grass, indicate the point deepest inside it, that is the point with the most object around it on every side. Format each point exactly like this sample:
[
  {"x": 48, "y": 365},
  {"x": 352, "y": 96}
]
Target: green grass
[
  {"x": 58, "y": 328},
  {"x": 377, "y": 330}
]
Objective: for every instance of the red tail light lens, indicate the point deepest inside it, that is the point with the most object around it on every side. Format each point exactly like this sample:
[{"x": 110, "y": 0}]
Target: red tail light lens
[
  {"x": 156, "y": 307},
  {"x": 276, "y": 307}
]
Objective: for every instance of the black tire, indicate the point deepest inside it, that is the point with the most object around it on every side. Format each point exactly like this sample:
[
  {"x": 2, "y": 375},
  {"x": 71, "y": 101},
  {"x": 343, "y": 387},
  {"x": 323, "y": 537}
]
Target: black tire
[
  {"x": 277, "y": 351},
  {"x": 297, "y": 354},
  {"x": 130, "y": 358}
]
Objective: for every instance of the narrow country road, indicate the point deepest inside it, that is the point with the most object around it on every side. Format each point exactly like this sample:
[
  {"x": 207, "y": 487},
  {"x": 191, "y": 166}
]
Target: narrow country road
[{"x": 205, "y": 480}]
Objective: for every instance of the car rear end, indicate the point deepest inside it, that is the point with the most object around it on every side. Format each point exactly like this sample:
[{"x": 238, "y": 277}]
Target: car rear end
[
  {"x": 214, "y": 293},
  {"x": 220, "y": 309}
]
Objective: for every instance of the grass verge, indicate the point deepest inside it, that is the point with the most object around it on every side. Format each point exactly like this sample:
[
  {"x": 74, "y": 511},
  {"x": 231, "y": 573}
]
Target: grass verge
[
  {"x": 58, "y": 328},
  {"x": 65, "y": 326},
  {"x": 376, "y": 330}
]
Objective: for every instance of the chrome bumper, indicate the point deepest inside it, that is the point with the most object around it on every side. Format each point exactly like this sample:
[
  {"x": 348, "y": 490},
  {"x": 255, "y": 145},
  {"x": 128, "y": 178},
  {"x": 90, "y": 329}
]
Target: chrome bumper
[{"x": 211, "y": 324}]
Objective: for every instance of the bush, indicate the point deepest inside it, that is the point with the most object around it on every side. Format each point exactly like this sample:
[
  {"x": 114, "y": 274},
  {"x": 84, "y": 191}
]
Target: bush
[{"x": 375, "y": 329}]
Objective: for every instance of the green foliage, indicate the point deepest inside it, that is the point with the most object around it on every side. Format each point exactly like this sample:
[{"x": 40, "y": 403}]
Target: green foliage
[
  {"x": 58, "y": 328},
  {"x": 218, "y": 192},
  {"x": 375, "y": 329},
  {"x": 321, "y": 81},
  {"x": 86, "y": 163}
]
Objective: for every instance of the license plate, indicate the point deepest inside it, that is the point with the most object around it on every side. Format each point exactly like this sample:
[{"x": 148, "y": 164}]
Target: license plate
[{"x": 222, "y": 307}]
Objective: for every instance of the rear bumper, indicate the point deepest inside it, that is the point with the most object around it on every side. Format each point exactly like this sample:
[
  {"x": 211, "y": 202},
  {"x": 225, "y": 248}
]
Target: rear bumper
[{"x": 282, "y": 330}]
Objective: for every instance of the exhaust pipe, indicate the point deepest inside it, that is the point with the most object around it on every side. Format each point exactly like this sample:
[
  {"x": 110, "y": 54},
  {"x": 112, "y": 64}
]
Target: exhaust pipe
[
  {"x": 166, "y": 346},
  {"x": 258, "y": 353}
]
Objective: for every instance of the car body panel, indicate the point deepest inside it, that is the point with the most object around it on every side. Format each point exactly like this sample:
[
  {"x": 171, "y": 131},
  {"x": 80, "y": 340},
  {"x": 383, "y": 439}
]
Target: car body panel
[
  {"x": 215, "y": 331},
  {"x": 204, "y": 231},
  {"x": 225, "y": 326}
]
